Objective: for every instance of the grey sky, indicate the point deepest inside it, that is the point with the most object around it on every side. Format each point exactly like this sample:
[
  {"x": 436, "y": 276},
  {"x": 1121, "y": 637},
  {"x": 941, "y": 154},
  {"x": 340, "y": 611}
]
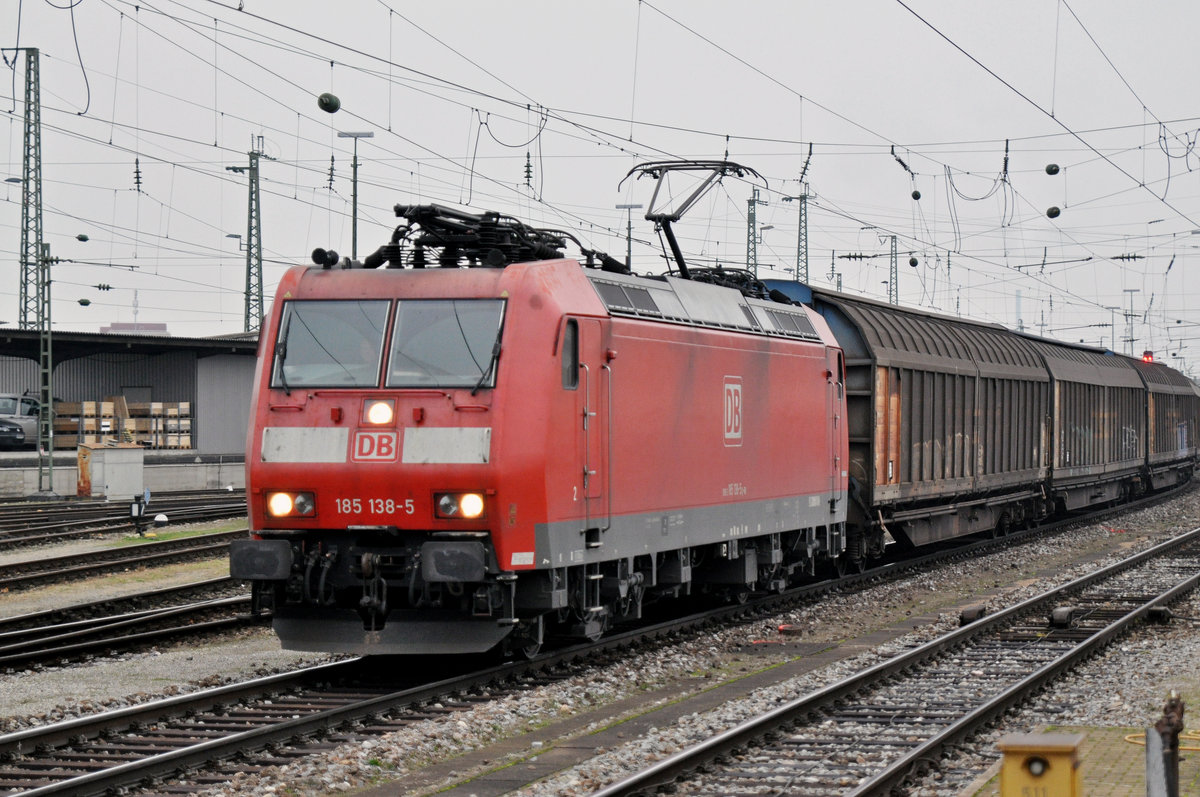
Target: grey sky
[{"x": 458, "y": 93}]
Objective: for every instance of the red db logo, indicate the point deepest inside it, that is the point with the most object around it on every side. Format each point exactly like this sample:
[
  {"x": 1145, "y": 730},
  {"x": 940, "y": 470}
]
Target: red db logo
[
  {"x": 376, "y": 447},
  {"x": 733, "y": 410}
]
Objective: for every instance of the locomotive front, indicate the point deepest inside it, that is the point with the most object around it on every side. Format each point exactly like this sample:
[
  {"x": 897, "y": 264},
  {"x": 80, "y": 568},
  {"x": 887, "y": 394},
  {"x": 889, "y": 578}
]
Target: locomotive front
[{"x": 372, "y": 488}]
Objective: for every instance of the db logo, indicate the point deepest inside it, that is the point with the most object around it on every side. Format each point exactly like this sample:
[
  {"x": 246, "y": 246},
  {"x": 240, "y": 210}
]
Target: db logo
[
  {"x": 376, "y": 447},
  {"x": 733, "y": 410}
]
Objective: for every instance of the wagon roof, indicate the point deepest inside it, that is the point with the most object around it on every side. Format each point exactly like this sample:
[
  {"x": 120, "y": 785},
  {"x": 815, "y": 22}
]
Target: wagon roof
[{"x": 907, "y": 338}]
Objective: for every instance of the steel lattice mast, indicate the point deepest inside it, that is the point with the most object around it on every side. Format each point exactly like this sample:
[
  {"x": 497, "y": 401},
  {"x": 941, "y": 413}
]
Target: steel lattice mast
[
  {"x": 752, "y": 231},
  {"x": 31, "y": 197},
  {"x": 254, "y": 288},
  {"x": 894, "y": 277},
  {"x": 802, "y": 239}
]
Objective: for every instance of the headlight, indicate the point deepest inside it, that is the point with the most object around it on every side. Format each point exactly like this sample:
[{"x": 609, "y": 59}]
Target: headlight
[
  {"x": 468, "y": 506},
  {"x": 289, "y": 504},
  {"x": 378, "y": 412}
]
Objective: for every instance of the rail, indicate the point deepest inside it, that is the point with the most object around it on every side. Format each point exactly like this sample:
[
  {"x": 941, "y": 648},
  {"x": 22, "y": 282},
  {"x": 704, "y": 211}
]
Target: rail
[{"x": 901, "y": 704}]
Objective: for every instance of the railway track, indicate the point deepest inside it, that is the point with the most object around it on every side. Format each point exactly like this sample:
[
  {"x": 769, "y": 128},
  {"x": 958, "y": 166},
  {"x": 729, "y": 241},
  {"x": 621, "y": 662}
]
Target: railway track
[
  {"x": 122, "y": 624},
  {"x": 868, "y": 734},
  {"x": 140, "y": 601},
  {"x": 347, "y": 702},
  {"x": 169, "y": 737},
  {"x": 341, "y": 702},
  {"x": 38, "y": 572},
  {"x": 33, "y": 522}
]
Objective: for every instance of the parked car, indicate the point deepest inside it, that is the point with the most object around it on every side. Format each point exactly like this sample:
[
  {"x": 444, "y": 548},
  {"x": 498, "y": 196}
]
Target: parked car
[
  {"x": 11, "y": 434},
  {"x": 22, "y": 412}
]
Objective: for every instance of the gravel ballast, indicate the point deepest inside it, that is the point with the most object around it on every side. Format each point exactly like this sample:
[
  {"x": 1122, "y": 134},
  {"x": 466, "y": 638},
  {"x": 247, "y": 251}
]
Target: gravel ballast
[{"x": 1123, "y": 687}]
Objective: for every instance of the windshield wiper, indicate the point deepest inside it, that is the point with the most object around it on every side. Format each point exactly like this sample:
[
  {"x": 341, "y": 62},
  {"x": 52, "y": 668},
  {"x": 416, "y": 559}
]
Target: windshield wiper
[
  {"x": 491, "y": 365},
  {"x": 281, "y": 355}
]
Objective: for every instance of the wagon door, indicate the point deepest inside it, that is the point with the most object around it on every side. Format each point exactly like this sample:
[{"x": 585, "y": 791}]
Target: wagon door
[{"x": 593, "y": 397}]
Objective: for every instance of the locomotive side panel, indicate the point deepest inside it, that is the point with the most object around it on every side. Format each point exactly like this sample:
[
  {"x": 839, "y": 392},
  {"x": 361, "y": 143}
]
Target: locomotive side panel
[{"x": 712, "y": 437}]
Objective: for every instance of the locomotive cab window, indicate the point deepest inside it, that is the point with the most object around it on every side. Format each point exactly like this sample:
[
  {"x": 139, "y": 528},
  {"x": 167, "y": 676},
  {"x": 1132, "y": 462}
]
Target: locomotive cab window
[
  {"x": 570, "y": 355},
  {"x": 329, "y": 344},
  {"x": 446, "y": 343}
]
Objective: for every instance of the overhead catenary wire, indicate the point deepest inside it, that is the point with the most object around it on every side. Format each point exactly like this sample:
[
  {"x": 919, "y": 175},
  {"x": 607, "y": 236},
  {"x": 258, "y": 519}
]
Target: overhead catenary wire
[{"x": 424, "y": 166}]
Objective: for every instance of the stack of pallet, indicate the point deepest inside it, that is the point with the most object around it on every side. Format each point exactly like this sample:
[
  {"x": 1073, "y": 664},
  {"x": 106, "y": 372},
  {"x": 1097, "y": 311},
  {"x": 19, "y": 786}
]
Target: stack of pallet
[
  {"x": 159, "y": 424},
  {"x": 87, "y": 422},
  {"x": 151, "y": 424}
]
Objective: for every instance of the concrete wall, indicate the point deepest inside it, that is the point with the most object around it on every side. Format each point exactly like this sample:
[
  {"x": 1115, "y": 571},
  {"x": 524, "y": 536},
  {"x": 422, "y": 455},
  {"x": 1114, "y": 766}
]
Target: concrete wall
[{"x": 22, "y": 481}]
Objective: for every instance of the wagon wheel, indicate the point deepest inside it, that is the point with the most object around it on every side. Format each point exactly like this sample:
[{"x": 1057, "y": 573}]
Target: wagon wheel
[{"x": 1002, "y": 528}]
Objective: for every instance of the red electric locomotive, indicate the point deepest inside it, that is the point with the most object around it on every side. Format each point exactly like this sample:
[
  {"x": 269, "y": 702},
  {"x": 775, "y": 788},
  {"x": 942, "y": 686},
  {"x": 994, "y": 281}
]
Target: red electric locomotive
[{"x": 444, "y": 459}]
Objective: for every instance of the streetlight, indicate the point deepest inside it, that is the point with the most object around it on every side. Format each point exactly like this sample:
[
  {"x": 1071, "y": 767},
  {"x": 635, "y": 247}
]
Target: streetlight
[
  {"x": 354, "y": 191},
  {"x": 629, "y": 233}
]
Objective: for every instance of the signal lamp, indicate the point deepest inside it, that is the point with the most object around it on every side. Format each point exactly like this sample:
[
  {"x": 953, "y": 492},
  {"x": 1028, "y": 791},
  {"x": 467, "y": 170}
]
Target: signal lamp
[
  {"x": 379, "y": 412},
  {"x": 1147, "y": 356},
  {"x": 291, "y": 504},
  {"x": 468, "y": 506}
]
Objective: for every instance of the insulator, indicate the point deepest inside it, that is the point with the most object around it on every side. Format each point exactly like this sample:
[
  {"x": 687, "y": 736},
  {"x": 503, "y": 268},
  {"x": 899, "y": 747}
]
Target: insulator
[
  {"x": 1051, "y": 168},
  {"x": 1053, "y": 212},
  {"x": 916, "y": 194}
]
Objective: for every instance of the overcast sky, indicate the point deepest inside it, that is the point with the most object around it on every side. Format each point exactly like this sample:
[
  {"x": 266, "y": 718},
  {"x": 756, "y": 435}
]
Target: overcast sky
[{"x": 891, "y": 97}]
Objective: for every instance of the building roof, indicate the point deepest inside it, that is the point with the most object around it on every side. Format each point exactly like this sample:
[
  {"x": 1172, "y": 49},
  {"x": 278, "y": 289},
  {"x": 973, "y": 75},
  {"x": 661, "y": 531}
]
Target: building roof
[{"x": 73, "y": 345}]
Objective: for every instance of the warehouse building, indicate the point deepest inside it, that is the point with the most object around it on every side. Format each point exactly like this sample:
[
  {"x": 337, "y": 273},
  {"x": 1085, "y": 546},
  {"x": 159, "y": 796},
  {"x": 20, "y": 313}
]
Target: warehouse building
[{"x": 210, "y": 378}]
